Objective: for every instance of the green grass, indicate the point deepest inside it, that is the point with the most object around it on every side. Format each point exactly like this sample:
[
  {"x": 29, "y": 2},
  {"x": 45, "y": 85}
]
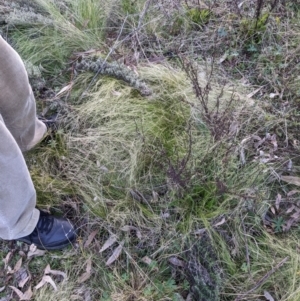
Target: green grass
[{"x": 181, "y": 169}]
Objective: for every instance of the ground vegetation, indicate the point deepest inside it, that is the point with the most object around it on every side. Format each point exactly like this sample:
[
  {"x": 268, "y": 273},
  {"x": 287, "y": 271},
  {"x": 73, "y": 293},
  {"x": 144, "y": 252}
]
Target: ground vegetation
[{"x": 176, "y": 152}]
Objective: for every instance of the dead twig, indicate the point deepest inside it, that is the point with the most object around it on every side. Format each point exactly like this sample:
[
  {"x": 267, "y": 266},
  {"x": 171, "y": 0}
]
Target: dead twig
[{"x": 136, "y": 36}]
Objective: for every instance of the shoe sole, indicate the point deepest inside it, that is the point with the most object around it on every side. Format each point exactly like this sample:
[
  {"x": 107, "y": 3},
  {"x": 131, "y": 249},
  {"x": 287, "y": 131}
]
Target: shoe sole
[{"x": 41, "y": 247}]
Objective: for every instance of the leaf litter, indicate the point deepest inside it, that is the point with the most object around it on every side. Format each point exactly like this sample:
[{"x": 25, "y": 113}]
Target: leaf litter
[
  {"x": 284, "y": 214},
  {"x": 109, "y": 242},
  {"x": 268, "y": 296},
  {"x": 23, "y": 296},
  {"x": 265, "y": 148},
  {"x": 291, "y": 180},
  {"x": 35, "y": 252},
  {"x": 90, "y": 238},
  {"x": 87, "y": 274},
  {"x": 55, "y": 272},
  {"x": 21, "y": 276},
  {"x": 46, "y": 279},
  {"x": 177, "y": 262},
  {"x": 132, "y": 228},
  {"x": 115, "y": 255}
]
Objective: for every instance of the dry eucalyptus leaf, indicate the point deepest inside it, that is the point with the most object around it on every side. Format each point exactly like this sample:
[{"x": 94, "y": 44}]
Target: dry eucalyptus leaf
[
  {"x": 18, "y": 265},
  {"x": 234, "y": 128},
  {"x": 128, "y": 228},
  {"x": 247, "y": 139},
  {"x": 273, "y": 210},
  {"x": 165, "y": 215},
  {"x": 27, "y": 295},
  {"x": 115, "y": 255},
  {"x": 250, "y": 95},
  {"x": 147, "y": 260},
  {"x": 220, "y": 222},
  {"x": 67, "y": 88},
  {"x": 200, "y": 231},
  {"x": 274, "y": 142},
  {"x": 291, "y": 180},
  {"x": 23, "y": 297},
  {"x": 18, "y": 292},
  {"x": 87, "y": 274},
  {"x": 189, "y": 297},
  {"x": 21, "y": 275},
  {"x": 32, "y": 248},
  {"x": 47, "y": 269},
  {"x": 278, "y": 200},
  {"x": 50, "y": 281},
  {"x": 223, "y": 58},
  {"x": 292, "y": 192},
  {"x": 46, "y": 279},
  {"x": 54, "y": 272},
  {"x": 90, "y": 238},
  {"x": 40, "y": 284},
  {"x": 87, "y": 295},
  {"x": 22, "y": 254},
  {"x": 290, "y": 209},
  {"x": 84, "y": 277},
  {"x": 296, "y": 215},
  {"x": 89, "y": 265},
  {"x": 272, "y": 95},
  {"x": 110, "y": 241},
  {"x": 7, "y": 259},
  {"x": 10, "y": 270},
  {"x": 23, "y": 282},
  {"x": 177, "y": 262},
  {"x": 268, "y": 296},
  {"x": 35, "y": 253},
  {"x": 132, "y": 228},
  {"x": 289, "y": 224},
  {"x": 289, "y": 165},
  {"x": 155, "y": 196}
]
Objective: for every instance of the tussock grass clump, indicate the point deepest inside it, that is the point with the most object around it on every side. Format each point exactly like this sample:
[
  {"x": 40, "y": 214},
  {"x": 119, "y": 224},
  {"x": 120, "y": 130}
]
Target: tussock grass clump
[
  {"x": 74, "y": 25},
  {"x": 124, "y": 133},
  {"x": 131, "y": 159},
  {"x": 124, "y": 159}
]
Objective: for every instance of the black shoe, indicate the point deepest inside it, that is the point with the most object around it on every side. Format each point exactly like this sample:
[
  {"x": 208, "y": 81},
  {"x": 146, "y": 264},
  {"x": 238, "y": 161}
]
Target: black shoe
[
  {"x": 51, "y": 233},
  {"x": 51, "y": 122}
]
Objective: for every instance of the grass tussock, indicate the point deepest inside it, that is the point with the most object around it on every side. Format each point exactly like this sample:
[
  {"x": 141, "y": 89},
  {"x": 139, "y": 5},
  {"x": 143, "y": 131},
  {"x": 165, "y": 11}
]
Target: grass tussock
[{"x": 181, "y": 184}]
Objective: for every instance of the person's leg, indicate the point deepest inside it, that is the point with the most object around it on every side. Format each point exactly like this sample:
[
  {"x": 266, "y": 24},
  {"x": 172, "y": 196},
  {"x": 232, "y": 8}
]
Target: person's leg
[
  {"x": 18, "y": 216},
  {"x": 20, "y": 130},
  {"x": 17, "y": 103},
  {"x": 19, "y": 219}
]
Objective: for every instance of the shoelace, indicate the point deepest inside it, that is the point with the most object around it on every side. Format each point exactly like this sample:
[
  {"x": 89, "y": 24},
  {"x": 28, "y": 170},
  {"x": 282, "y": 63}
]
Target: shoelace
[{"x": 44, "y": 224}]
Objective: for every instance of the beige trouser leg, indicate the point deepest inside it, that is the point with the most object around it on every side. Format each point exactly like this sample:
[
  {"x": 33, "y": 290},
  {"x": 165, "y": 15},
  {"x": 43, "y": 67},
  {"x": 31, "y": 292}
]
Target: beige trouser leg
[{"x": 19, "y": 131}]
